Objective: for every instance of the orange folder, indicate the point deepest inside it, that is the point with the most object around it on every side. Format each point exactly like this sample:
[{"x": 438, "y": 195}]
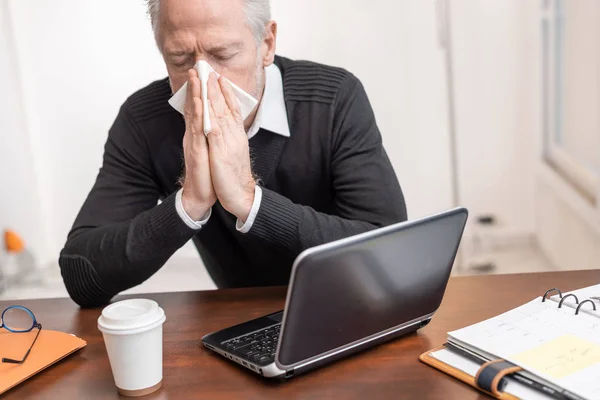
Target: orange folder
[
  {"x": 458, "y": 374},
  {"x": 50, "y": 347}
]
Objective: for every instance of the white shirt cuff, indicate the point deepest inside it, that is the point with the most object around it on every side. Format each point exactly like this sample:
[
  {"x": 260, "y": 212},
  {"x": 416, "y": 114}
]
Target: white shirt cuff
[
  {"x": 245, "y": 227},
  {"x": 185, "y": 217}
]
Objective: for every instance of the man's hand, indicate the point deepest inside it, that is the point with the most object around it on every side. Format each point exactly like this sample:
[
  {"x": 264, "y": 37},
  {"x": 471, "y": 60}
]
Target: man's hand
[
  {"x": 198, "y": 194},
  {"x": 228, "y": 149}
]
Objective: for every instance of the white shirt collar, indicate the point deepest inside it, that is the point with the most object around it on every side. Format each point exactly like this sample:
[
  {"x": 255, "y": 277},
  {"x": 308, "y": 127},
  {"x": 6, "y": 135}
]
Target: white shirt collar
[{"x": 271, "y": 114}]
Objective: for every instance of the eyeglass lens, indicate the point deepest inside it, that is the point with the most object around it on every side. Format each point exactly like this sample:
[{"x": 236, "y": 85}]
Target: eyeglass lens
[{"x": 17, "y": 320}]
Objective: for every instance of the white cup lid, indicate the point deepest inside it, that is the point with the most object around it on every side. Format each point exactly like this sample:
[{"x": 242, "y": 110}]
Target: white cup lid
[{"x": 129, "y": 315}]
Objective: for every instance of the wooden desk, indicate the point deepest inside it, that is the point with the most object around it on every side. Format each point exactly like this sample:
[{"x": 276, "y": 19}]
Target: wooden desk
[{"x": 391, "y": 371}]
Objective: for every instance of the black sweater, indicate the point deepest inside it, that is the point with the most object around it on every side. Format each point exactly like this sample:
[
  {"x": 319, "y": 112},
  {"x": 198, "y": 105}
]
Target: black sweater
[{"x": 330, "y": 179}]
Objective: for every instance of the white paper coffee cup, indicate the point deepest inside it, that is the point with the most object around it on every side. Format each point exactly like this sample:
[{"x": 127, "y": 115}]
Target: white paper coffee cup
[{"x": 132, "y": 331}]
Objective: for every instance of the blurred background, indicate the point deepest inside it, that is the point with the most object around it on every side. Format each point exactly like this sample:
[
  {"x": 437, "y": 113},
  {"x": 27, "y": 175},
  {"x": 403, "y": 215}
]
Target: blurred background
[{"x": 489, "y": 104}]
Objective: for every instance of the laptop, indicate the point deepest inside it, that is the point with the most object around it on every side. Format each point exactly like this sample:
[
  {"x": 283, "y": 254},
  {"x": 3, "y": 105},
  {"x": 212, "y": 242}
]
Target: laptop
[{"x": 349, "y": 295}]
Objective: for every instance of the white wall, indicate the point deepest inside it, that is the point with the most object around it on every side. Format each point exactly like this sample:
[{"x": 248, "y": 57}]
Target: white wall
[
  {"x": 580, "y": 89},
  {"x": 496, "y": 51},
  {"x": 392, "y": 47},
  {"x": 568, "y": 221},
  {"x": 567, "y": 226},
  {"x": 19, "y": 210},
  {"x": 497, "y": 89},
  {"x": 78, "y": 62}
]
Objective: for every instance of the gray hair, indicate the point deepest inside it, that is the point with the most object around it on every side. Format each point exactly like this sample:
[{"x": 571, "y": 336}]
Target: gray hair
[{"x": 258, "y": 14}]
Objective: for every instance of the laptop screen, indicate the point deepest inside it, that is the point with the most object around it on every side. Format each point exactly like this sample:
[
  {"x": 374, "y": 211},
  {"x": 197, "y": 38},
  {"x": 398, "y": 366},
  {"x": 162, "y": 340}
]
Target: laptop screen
[{"x": 344, "y": 294}]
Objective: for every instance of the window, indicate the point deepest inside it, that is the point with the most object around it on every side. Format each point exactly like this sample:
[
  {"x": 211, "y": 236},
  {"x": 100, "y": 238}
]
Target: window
[{"x": 571, "y": 83}]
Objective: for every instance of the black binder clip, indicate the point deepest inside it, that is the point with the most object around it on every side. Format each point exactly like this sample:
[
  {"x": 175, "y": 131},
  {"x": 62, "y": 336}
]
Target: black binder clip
[
  {"x": 550, "y": 291},
  {"x": 566, "y": 297},
  {"x": 582, "y": 303}
]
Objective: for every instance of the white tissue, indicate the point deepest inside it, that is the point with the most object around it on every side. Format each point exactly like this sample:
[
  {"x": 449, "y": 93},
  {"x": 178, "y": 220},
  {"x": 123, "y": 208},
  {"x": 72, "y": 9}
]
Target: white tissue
[{"x": 245, "y": 101}]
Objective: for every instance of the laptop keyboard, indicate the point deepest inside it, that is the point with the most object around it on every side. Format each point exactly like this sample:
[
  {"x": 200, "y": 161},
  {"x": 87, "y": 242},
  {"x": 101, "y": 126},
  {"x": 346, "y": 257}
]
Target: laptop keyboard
[{"x": 259, "y": 346}]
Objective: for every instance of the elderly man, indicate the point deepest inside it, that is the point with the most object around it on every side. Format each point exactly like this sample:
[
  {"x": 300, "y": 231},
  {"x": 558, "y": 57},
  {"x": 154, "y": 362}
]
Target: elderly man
[{"x": 306, "y": 167}]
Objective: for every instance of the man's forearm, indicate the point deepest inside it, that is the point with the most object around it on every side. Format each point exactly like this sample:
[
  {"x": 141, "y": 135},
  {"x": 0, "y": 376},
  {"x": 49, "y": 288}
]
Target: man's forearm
[
  {"x": 296, "y": 227},
  {"x": 97, "y": 263}
]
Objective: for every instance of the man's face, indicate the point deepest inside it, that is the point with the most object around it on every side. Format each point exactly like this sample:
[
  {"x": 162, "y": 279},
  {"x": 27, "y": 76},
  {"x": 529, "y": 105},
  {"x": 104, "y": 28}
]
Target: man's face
[{"x": 215, "y": 31}]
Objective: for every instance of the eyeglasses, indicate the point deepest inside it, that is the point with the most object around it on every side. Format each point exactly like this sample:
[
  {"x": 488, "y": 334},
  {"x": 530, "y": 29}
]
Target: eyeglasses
[{"x": 19, "y": 319}]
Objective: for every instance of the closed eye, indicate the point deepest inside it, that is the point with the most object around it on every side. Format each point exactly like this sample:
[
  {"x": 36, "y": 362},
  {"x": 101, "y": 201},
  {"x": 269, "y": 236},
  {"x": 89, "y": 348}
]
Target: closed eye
[
  {"x": 185, "y": 62},
  {"x": 179, "y": 58},
  {"x": 224, "y": 56}
]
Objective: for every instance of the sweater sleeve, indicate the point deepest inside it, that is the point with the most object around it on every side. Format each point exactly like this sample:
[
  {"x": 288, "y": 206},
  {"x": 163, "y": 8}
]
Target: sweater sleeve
[
  {"x": 366, "y": 190},
  {"x": 121, "y": 236}
]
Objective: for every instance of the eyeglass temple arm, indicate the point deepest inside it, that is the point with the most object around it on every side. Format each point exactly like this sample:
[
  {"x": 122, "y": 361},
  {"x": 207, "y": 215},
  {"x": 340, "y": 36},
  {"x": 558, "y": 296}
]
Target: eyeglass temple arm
[{"x": 12, "y": 361}]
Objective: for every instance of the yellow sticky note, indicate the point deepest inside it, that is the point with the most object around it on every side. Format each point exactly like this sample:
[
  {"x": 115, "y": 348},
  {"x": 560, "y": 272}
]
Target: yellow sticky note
[{"x": 560, "y": 357}]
